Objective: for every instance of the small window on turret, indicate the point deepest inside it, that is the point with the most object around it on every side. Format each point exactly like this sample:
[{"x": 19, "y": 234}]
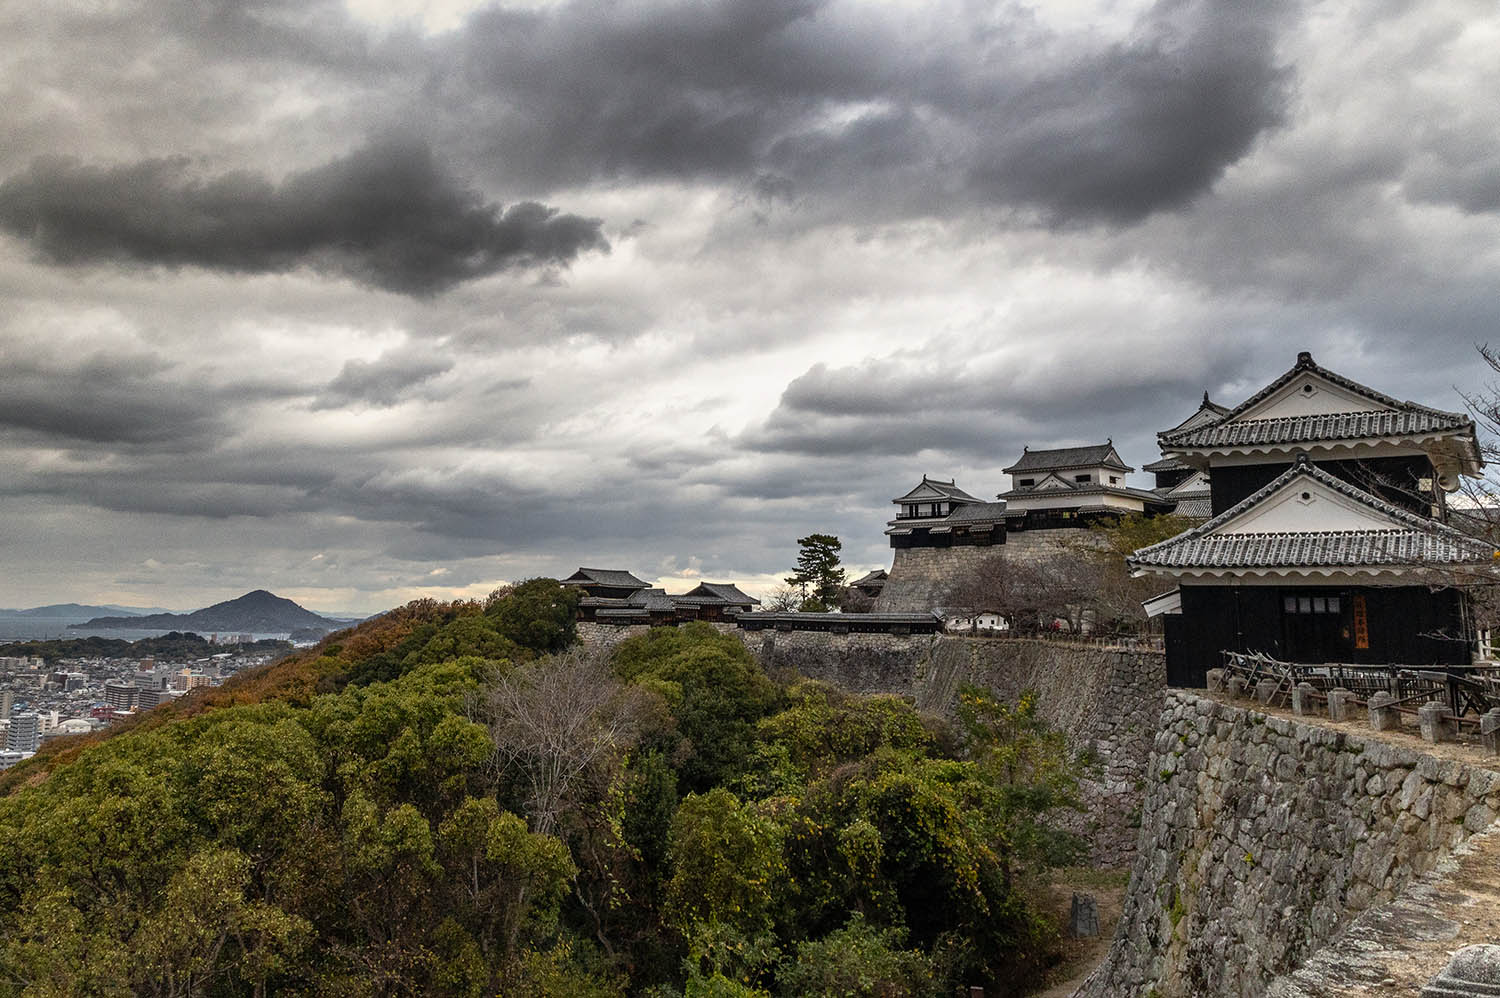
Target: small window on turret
[
  {"x": 1025, "y": 481},
  {"x": 1083, "y": 478}
]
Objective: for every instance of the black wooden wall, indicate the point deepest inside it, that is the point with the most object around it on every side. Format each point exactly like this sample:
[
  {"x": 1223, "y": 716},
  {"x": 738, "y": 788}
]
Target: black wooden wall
[
  {"x": 1392, "y": 478},
  {"x": 1408, "y": 625}
]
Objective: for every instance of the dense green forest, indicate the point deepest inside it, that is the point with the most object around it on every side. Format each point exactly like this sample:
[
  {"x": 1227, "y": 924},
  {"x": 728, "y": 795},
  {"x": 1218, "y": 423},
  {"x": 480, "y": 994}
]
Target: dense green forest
[
  {"x": 174, "y": 646},
  {"x": 457, "y": 799}
]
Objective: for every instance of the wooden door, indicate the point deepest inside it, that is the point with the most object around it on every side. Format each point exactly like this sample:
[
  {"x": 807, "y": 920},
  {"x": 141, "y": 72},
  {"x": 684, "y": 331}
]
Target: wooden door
[{"x": 1317, "y": 625}]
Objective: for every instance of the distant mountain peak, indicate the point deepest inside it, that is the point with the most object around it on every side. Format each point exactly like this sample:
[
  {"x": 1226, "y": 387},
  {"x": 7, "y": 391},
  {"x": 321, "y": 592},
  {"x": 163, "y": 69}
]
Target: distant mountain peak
[{"x": 259, "y": 611}]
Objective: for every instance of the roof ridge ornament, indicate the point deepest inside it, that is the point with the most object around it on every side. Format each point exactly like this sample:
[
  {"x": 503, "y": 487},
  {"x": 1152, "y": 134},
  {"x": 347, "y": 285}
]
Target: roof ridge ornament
[{"x": 1304, "y": 359}]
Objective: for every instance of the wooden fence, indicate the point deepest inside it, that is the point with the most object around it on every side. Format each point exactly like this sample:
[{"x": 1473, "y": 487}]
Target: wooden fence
[{"x": 1467, "y": 690}]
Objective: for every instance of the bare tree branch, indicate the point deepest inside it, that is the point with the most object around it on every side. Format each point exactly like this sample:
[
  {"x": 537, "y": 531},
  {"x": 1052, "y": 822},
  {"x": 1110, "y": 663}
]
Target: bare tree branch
[{"x": 564, "y": 723}]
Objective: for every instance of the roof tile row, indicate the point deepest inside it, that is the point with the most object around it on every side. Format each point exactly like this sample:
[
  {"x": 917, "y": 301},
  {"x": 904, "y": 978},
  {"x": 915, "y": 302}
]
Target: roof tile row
[
  {"x": 1307, "y": 429},
  {"x": 1410, "y": 540}
]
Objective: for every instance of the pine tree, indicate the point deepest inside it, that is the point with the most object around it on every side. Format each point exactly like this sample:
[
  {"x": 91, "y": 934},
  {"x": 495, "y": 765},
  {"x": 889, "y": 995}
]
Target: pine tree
[{"x": 819, "y": 577}]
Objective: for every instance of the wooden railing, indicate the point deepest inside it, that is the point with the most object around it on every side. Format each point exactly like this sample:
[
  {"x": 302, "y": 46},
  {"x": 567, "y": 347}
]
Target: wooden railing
[{"x": 1469, "y": 691}]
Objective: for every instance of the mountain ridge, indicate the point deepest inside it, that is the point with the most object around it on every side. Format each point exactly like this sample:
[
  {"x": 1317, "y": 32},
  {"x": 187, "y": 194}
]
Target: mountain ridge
[
  {"x": 258, "y": 611},
  {"x": 54, "y": 610}
]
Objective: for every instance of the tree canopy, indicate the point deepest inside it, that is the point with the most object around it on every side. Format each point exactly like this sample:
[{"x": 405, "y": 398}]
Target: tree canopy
[{"x": 455, "y": 799}]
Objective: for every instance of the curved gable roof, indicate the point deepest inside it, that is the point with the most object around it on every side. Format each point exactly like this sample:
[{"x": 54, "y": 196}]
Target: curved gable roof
[
  {"x": 1408, "y": 540},
  {"x": 1208, "y": 411},
  {"x": 1386, "y": 417},
  {"x": 1060, "y": 458},
  {"x": 929, "y": 489}
]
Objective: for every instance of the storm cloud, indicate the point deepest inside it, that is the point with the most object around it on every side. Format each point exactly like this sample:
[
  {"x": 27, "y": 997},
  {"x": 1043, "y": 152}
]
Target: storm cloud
[
  {"x": 365, "y": 300},
  {"x": 386, "y": 216},
  {"x": 383, "y": 382},
  {"x": 812, "y": 93}
]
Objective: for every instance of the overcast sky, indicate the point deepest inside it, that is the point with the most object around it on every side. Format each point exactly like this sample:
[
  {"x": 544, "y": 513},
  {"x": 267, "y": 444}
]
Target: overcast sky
[{"x": 361, "y": 301}]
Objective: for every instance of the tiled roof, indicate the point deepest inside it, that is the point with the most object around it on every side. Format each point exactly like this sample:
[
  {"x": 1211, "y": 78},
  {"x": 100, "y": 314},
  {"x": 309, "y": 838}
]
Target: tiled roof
[
  {"x": 1092, "y": 456},
  {"x": 872, "y": 578},
  {"x": 1198, "y": 507},
  {"x": 970, "y": 514},
  {"x": 1397, "y": 419},
  {"x": 1208, "y": 411},
  {"x": 1166, "y": 464},
  {"x": 716, "y": 592},
  {"x": 1305, "y": 363},
  {"x": 1413, "y": 420},
  {"x": 654, "y": 600},
  {"x": 1321, "y": 549},
  {"x": 1087, "y": 507},
  {"x": 1084, "y": 489},
  {"x": 1410, "y": 539},
  {"x": 612, "y": 577},
  {"x": 979, "y": 512},
  {"x": 948, "y": 490}
]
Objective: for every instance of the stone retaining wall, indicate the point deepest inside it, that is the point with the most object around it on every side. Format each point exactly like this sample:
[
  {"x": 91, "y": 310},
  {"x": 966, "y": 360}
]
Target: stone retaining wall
[
  {"x": 859, "y": 663},
  {"x": 920, "y": 578},
  {"x": 1398, "y": 947},
  {"x": 1263, "y": 837},
  {"x": 1104, "y": 699},
  {"x": 594, "y": 634},
  {"x": 1108, "y": 700}
]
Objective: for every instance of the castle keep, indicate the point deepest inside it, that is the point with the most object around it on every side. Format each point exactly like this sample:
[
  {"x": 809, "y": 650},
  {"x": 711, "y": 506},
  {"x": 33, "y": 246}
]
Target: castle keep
[
  {"x": 1329, "y": 540},
  {"x": 941, "y": 533}
]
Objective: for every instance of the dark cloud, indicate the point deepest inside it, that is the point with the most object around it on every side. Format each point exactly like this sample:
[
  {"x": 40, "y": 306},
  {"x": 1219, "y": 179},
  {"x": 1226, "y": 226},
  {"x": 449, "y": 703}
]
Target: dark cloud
[
  {"x": 383, "y": 382},
  {"x": 825, "y": 97},
  {"x": 1144, "y": 125},
  {"x": 1471, "y": 182},
  {"x": 955, "y": 403},
  {"x": 123, "y": 400},
  {"x": 387, "y": 216},
  {"x": 992, "y": 229}
]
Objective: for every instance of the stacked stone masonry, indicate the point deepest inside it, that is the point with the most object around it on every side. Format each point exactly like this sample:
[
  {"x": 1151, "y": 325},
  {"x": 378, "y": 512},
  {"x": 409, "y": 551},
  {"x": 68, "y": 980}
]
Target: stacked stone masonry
[
  {"x": 1401, "y": 947},
  {"x": 920, "y": 578},
  {"x": 1264, "y": 837},
  {"x": 1107, "y": 700}
]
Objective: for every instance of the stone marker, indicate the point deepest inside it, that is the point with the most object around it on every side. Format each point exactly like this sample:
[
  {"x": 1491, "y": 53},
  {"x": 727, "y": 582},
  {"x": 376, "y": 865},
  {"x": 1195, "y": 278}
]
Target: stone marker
[
  {"x": 1489, "y": 731},
  {"x": 1215, "y": 680},
  {"x": 1083, "y": 923},
  {"x": 1384, "y": 717},
  {"x": 1235, "y": 687},
  {"x": 1438, "y": 725},
  {"x": 1471, "y": 972},
  {"x": 1302, "y": 699},
  {"x": 1266, "y": 688},
  {"x": 1339, "y": 706}
]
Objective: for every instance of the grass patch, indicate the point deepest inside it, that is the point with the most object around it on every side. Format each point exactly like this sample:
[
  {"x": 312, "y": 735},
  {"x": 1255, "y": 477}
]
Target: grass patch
[{"x": 1089, "y": 876}]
